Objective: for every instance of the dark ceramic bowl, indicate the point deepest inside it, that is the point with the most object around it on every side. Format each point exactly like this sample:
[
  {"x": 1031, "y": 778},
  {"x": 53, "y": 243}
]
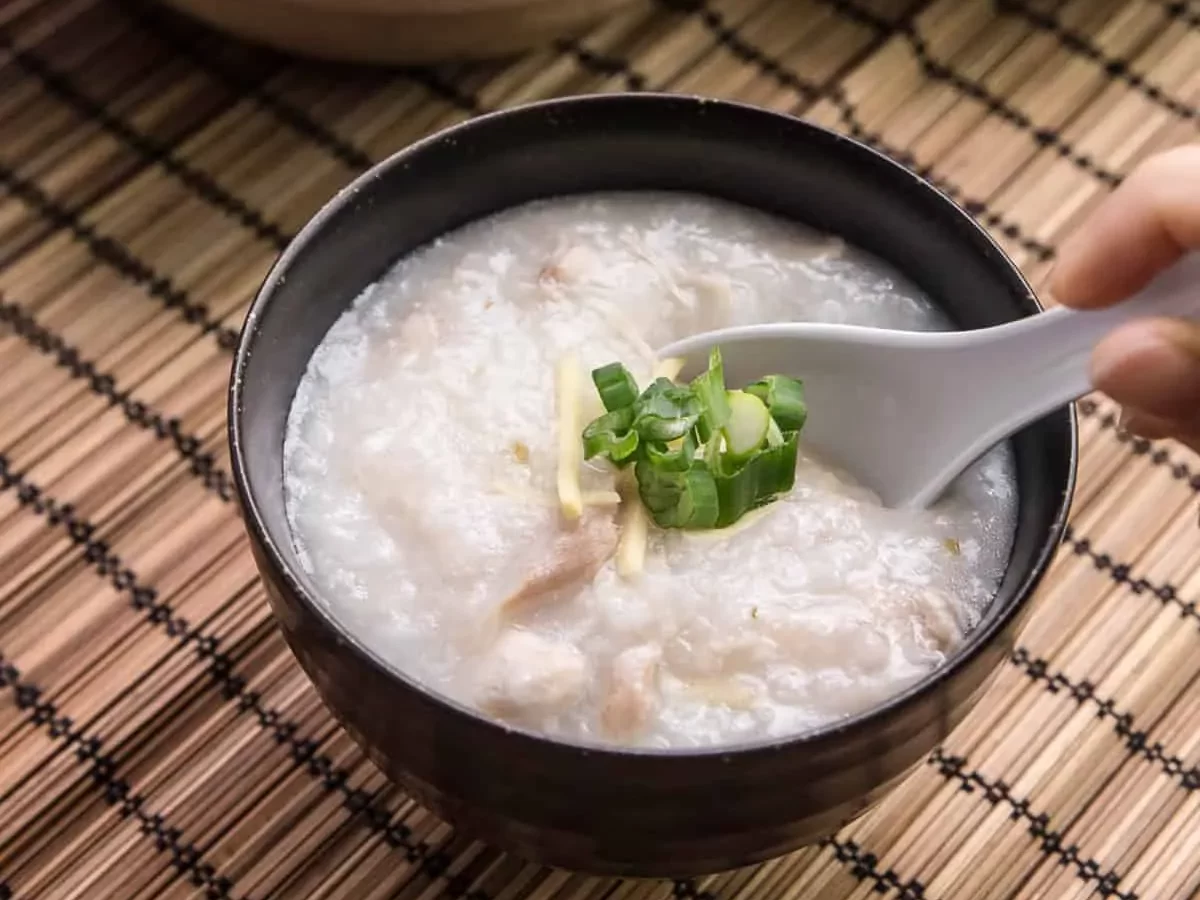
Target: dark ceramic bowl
[{"x": 603, "y": 810}]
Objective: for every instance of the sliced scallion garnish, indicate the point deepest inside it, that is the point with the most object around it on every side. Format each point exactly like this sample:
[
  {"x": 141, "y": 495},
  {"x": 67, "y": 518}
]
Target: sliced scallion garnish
[
  {"x": 784, "y": 398},
  {"x": 710, "y": 388},
  {"x": 757, "y": 482},
  {"x": 675, "y": 499},
  {"x": 746, "y": 430},
  {"x": 615, "y": 385},
  {"x": 704, "y": 455},
  {"x": 666, "y": 411},
  {"x": 677, "y": 456},
  {"x": 611, "y": 435}
]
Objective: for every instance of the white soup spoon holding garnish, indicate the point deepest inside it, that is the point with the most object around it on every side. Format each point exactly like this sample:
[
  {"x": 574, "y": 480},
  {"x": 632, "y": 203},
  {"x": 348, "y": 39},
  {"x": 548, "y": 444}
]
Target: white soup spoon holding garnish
[{"x": 906, "y": 412}]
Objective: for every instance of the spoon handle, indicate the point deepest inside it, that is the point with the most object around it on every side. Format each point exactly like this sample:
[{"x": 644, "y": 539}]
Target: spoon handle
[
  {"x": 1018, "y": 372},
  {"x": 1049, "y": 354}
]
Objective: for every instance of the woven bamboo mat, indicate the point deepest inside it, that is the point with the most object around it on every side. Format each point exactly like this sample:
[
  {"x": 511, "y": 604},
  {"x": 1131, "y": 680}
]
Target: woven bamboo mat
[{"x": 156, "y": 738}]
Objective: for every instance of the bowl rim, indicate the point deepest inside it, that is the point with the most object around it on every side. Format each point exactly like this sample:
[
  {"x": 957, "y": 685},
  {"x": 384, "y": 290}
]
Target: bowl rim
[{"x": 977, "y": 640}]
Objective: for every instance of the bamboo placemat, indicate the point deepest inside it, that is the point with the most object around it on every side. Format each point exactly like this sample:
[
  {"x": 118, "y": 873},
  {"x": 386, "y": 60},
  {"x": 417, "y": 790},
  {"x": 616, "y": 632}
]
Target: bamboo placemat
[{"x": 156, "y": 738}]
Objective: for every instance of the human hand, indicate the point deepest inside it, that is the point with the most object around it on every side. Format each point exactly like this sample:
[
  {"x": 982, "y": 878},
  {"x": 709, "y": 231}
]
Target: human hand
[{"x": 1151, "y": 367}]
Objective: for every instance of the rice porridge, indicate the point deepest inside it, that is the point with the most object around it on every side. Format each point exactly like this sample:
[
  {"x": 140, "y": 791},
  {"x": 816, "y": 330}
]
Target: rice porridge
[{"x": 421, "y": 461}]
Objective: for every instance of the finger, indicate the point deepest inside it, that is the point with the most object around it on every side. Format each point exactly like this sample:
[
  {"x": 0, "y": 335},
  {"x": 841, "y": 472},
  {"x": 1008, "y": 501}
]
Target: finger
[
  {"x": 1140, "y": 229},
  {"x": 1152, "y": 366}
]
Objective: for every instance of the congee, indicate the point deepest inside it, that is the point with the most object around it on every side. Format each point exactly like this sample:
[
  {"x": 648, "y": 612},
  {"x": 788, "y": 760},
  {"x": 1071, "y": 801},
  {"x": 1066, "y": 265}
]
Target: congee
[{"x": 494, "y": 484}]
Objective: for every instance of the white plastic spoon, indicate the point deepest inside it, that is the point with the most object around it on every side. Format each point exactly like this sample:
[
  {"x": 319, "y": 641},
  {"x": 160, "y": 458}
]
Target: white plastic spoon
[{"x": 906, "y": 412}]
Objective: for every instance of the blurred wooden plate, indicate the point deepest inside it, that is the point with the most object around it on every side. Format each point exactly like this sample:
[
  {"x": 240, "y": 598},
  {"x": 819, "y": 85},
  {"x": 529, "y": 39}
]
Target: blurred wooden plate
[{"x": 401, "y": 31}]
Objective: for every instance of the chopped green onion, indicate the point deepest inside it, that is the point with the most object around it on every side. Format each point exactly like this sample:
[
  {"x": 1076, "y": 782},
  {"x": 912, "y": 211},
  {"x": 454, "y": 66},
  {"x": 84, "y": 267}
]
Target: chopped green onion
[
  {"x": 675, "y": 499},
  {"x": 756, "y": 483},
  {"x": 746, "y": 430},
  {"x": 665, "y": 411},
  {"x": 611, "y": 435},
  {"x": 672, "y": 458},
  {"x": 749, "y": 439},
  {"x": 615, "y": 385},
  {"x": 710, "y": 388},
  {"x": 774, "y": 435},
  {"x": 784, "y": 397}
]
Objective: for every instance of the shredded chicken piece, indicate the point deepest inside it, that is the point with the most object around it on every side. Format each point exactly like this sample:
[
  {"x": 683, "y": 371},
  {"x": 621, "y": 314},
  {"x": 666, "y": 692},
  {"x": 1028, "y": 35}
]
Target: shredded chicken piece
[
  {"x": 940, "y": 617},
  {"x": 526, "y": 674},
  {"x": 570, "y": 447},
  {"x": 572, "y": 264},
  {"x": 633, "y": 690},
  {"x": 575, "y": 558}
]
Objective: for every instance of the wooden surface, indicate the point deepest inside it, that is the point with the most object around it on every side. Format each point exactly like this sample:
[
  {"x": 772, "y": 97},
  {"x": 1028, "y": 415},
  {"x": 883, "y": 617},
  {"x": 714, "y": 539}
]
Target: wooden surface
[{"x": 156, "y": 738}]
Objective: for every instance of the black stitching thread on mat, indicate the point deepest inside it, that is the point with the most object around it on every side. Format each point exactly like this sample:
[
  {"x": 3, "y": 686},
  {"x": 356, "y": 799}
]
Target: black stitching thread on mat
[
  {"x": 864, "y": 866},
  {"x": 303, "y": 751},
  {"x": 603, "y": 63},
  {"x": 116, "y": 254},
  {"x": 150, "y": 148},
  {"x": 1052, "y": 842},
  {"x": 168, "y": 31},
  {"x": 686, "y": 889},
  {"x": 435, "y": 84},
  {"x": 1140, "y": 446},
  {"x": 1043, "y": 136},
  {"x": 729, "y": 38},
  {"x": 1136, "y": 740},
  {"x": 186, "y": 857},
  {"x": 1181, "y": 10},
  {"x": 293, "y": 116},
  {"x": 1118, "y": 69},
  {"x": 1121, "y": 573},
  {"x": 201, "y": 464},
  {"x": 979, "y": 209}
]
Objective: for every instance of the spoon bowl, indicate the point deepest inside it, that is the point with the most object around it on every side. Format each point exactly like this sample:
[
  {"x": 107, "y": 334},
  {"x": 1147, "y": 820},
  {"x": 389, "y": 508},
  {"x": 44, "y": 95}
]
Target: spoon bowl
[{"x": 906, "y": 412}]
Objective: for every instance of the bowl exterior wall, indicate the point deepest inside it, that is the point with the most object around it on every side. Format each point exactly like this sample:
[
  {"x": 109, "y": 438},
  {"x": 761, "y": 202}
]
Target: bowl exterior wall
[{"x": 605, "y": 810}]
